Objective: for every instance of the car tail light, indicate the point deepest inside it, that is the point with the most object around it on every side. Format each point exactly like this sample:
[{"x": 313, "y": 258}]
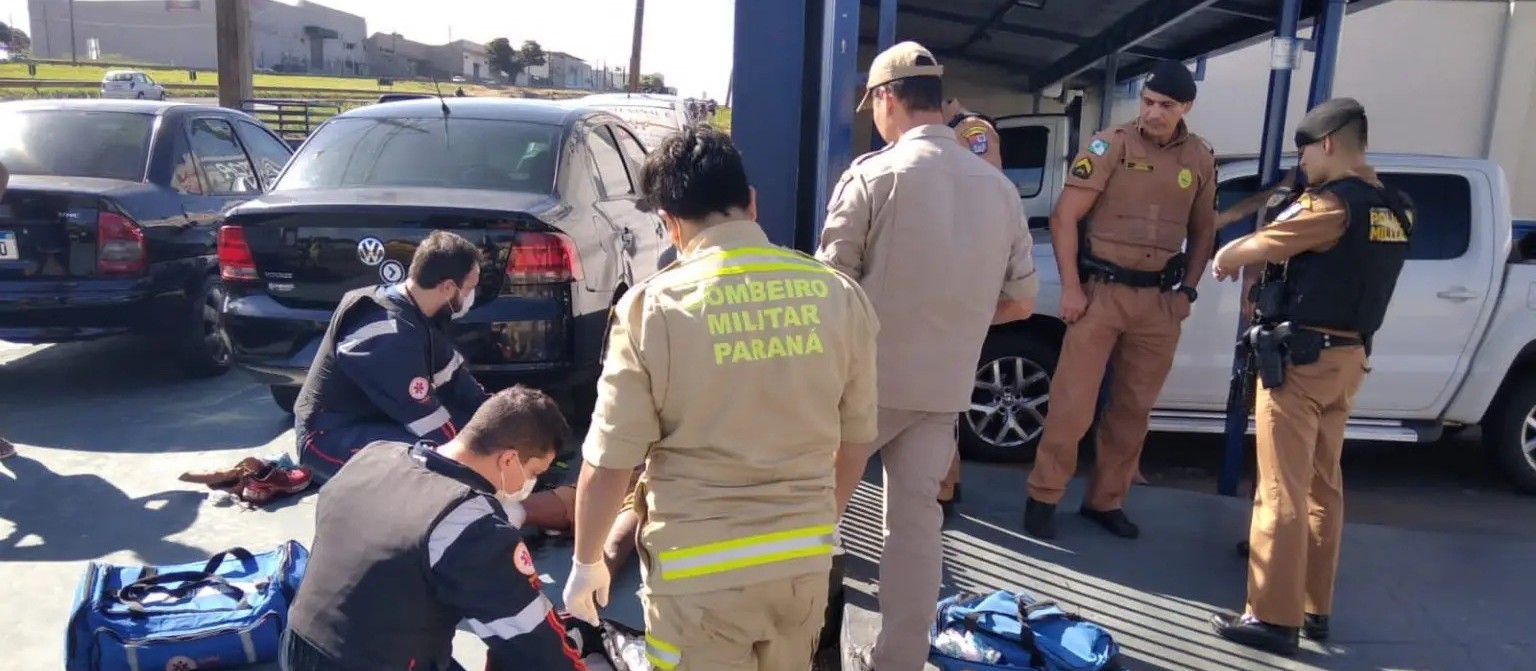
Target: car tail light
[
  {"x": 236, "y": 263},
  {"x": 119, "y": 246},
  {"x": 542, "y": 258}
]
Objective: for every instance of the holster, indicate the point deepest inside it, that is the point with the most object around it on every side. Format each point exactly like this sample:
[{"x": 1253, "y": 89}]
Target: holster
[{"x": 1270, "y": 346}]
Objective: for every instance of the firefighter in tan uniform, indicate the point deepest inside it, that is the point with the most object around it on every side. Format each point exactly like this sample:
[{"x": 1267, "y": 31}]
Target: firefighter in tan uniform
[
  {"x": 743, "y": 377},
  {"x": 1147, "y": 190},
  {"x": 937, "y": 238},
  {"x": 1343, "y": 244}
]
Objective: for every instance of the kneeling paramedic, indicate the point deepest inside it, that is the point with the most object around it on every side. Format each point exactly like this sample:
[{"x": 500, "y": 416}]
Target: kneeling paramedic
[
  {"x": 738, "y": 376},
  {"x": 1342, "y": 245},
  {"x": 386, "y": 368},
  {"x": 411, "y": 540}
]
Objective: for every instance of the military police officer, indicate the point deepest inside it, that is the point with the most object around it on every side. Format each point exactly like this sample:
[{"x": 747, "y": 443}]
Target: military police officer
[
  {"x": 737, "y": 376},
  {"x": 938, "y": 239},
  {"x": 1343, "y": 244},
  {"x": 1148, "y": 191}
]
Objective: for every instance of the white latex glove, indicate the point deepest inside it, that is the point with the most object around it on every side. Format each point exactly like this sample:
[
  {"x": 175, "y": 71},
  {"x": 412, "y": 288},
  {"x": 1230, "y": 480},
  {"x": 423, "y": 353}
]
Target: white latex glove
[
  {"x": 586, "y": 591},
  {"x": 837, "y": 539}
]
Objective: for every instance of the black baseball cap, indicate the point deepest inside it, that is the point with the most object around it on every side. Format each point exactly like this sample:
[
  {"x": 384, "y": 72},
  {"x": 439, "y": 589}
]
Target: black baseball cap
[
  {"x": 1172, "y": 79},
  {"x": 1323, "y": 120}
]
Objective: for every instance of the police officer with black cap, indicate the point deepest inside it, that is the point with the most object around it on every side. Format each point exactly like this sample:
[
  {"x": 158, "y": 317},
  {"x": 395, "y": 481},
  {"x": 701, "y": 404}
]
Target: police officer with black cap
[
  {"x": 1146, "y": 192},
  {"x": 1342, "y": 244}
]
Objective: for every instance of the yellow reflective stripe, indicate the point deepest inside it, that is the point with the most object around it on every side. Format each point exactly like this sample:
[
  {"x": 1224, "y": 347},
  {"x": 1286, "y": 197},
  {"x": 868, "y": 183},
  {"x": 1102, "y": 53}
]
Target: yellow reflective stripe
[
  {"x": 662, "y": 655},
  {"x": 746, "y": 552},
  {"x": 696, "y": 297}
]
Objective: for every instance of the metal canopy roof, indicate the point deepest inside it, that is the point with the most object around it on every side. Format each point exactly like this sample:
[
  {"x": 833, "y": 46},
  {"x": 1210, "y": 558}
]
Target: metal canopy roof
[{"x": 1042, "y": 42}]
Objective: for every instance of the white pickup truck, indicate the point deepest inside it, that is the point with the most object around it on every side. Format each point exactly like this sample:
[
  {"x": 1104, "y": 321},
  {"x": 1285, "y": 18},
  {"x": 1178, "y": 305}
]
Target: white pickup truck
[{"x": 1458, "y": 347}]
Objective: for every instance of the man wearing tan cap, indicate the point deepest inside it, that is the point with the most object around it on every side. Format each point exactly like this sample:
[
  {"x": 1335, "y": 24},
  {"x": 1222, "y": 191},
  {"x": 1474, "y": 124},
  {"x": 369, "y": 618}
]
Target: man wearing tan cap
[{"x": 937, "y": 238}]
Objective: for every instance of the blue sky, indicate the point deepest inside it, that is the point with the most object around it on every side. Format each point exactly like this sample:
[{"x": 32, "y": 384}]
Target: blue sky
[{"x": 690, "y": 41}]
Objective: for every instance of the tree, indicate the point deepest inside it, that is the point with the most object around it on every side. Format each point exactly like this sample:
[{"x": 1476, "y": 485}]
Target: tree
[
  {"x": 509, "y": 61},
  {"x": 16, "y": 38},
  {"x": 653, "y": 82}
]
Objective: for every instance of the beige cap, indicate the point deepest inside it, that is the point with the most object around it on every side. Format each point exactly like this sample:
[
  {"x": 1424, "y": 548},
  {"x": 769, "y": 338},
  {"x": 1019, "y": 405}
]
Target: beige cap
[{"x": 902, "y": 60}]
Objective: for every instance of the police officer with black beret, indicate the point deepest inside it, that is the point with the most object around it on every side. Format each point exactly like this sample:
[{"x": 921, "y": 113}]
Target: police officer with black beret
[{"x": 1342, "y": 244}]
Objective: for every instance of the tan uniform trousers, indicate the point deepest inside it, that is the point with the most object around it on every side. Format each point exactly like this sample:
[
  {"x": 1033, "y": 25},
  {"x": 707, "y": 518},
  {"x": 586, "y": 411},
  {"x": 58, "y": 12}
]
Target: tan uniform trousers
[
  {"x": 1298, "y": 513},
  {"x": 952, "y": 478},
  {"x": 1138, "y": 330},
  {"x": 915, "y": 448},
  {"x": 768, "y": 626}
]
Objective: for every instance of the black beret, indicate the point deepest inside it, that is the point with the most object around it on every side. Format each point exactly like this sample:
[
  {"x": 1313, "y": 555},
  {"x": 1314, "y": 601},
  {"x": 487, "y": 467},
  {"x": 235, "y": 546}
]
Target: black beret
[
  {"x": 1172, "y": 79},
  {"x": 1323, "y": 120}
]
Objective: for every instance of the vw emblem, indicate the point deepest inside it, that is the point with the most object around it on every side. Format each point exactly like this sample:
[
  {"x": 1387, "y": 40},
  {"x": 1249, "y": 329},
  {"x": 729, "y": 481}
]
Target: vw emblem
[{"x": 370, "y": 251}]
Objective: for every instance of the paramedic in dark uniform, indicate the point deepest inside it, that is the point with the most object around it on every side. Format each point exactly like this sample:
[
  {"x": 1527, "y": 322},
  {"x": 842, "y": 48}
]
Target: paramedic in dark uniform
[
  {"x": 386, "y": 368},
  {"x": 937, "y": 238},
  {"x": 743, "y": 377},
  {"x": 1143, "y": 190},
  {"x": 410, "y": 540},
  {"x": 1343, "y": 243}
]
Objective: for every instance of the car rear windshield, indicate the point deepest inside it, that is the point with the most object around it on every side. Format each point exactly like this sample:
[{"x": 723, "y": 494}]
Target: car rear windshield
[
  {"x": 76, "y": 143},
  {"x": 445, "y": 153}
]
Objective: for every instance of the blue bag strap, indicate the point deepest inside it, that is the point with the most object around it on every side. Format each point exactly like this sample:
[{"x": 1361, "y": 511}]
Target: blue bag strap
[{"x": 247, "y": 560}]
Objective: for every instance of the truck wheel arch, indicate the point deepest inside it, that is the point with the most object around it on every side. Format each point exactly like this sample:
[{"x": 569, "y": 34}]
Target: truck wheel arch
[{"x": 1505, "y": 426}]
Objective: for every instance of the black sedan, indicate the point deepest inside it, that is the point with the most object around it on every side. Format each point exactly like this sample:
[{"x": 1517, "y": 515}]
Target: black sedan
[
  {"x": 547, "y": 189},
  {"x": 110, "y": 221}
]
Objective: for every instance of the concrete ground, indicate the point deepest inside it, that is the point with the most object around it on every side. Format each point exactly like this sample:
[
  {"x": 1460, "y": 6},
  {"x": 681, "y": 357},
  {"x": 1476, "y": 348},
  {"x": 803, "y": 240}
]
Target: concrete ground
[{"x": 1435, "y": 574}]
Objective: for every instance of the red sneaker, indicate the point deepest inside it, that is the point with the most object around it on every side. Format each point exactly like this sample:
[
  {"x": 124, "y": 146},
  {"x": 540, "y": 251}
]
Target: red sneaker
[{"x": 271, "y": 482}]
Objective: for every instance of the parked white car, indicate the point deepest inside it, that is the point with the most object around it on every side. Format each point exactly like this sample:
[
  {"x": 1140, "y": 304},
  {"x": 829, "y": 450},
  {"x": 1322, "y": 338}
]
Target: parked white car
[
  {"x": 652, "y": 116},
  {"x": 1458, "y": 347},
  {"x": 130, "y": 84}
]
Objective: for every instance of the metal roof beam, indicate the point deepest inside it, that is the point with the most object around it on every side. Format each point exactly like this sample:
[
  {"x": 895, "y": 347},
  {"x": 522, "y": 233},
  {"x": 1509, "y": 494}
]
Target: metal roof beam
[
  {"x": 1010, "y": 28},
  {"x": 1245, "y": 10},
  {"x": 1143, "y": 22},
  {"x": 980, "y": 60},
  {"x": 981, "y": 30}
]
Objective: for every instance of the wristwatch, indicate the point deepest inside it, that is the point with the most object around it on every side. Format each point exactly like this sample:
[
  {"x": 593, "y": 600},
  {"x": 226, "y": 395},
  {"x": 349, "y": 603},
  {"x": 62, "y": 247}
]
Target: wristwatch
[{"x": 1189, "y": 292}]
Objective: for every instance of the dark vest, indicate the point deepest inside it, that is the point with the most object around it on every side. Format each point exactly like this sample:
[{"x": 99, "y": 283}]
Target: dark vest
[
  {"x": 329, "y": 398},
  {"x": 365, "y": 600},
  {"x": 1349, "y": 286}
]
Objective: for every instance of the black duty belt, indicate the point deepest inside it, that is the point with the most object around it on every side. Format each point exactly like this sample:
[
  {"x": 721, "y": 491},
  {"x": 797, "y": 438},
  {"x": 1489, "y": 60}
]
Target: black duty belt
[{"x": 1108, "y": 272}]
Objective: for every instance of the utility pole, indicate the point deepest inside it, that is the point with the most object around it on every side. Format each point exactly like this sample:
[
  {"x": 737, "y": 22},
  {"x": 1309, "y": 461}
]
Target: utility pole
[
  {"x": 634, "y": 48},
  {"x": 74, "y": 55},
  {"x": 232, "y": 25}
]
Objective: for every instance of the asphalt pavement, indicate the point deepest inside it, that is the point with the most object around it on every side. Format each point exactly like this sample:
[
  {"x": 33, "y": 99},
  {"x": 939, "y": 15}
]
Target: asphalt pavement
[{"x": 1435, "y": 578}]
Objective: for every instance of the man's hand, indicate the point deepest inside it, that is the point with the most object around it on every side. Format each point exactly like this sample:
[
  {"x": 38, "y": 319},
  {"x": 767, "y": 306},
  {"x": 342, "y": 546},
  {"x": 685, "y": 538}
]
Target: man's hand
[
  {"x": 587, "y": 590},
  {"x": 1222, "y": 274},
  {"x": 1073, "y": 304}
]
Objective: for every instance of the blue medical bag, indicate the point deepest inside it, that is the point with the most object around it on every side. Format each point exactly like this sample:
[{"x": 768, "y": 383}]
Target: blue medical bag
[
  {"x": 229, "y": 611},
  {"x": 1007, "y": 631}
]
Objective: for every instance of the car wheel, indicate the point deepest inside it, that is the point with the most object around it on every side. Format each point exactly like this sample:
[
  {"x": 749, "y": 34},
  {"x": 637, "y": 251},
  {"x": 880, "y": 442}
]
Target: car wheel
[
  {"x": 1010, "y": 398},
  {"x": 1509, "y": 434},
  {"x": 205, "y": 350},
  {"x": 285, "y": 397},
  {"x": 140, "y": 96}
]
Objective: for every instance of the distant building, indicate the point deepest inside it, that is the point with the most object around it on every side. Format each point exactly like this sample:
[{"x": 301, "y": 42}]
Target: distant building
[
  {"x": 302, "y": 37},
  {"x": 568, "y": 72}
]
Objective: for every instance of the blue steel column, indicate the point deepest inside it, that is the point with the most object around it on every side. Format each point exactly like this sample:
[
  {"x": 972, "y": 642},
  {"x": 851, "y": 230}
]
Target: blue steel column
[
  {"x": 839, "y": 67},
  {"x": 769, "y": 61},
  {"x": 885, "y": 38},
  {"x": 1111, "y": 82},
  {"x": 1282, "y": 62},
  {"x": 1325, "y": 37}
]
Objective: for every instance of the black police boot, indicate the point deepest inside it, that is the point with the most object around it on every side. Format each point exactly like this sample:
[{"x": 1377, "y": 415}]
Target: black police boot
[
  {"x": 1315, "y": 627},
  {"x": 1254, "y": 633},
  {"x": 1040, "y": 519},
  {"x": 1113, "y": 521}
]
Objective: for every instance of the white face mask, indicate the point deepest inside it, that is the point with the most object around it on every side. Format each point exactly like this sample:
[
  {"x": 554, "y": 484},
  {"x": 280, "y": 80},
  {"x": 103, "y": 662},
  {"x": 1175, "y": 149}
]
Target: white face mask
[
  {"x": 518, "y": 496},
  {"x": 464, "y": 305}
]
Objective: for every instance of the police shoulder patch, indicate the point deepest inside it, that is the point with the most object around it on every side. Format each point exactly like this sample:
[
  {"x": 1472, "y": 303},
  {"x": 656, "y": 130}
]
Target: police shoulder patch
[
  {"x": 977, "y": 140},
  {"x": 1098, "y": 147},
  {"x": 1082, "y": 168}
]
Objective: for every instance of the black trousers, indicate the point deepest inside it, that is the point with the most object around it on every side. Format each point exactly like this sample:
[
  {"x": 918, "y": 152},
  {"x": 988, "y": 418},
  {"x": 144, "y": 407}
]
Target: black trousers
[
  {"x": 296, "y": 654},
  {"x": 325, "y": 452}
]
